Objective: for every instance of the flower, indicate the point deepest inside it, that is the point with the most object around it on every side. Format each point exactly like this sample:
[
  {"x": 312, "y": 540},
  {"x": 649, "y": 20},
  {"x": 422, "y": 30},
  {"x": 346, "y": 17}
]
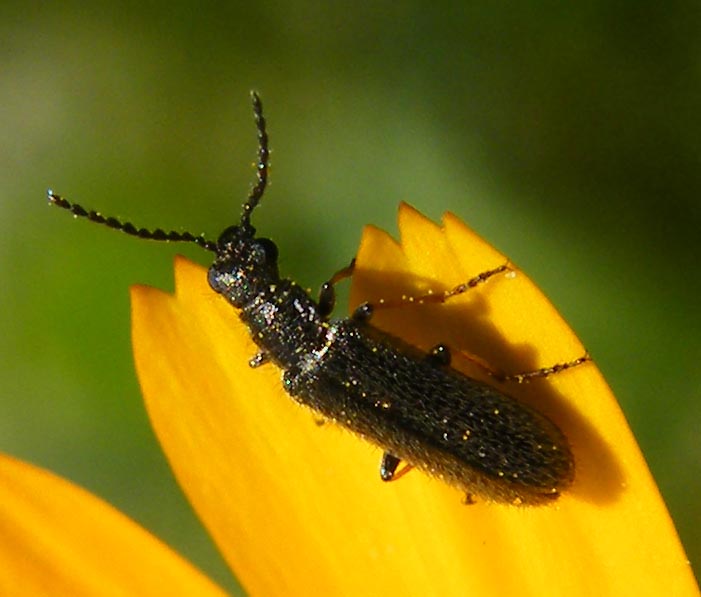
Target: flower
[
  {"x": 298, "y": 508},
  {"x": 57, "y": 539}
]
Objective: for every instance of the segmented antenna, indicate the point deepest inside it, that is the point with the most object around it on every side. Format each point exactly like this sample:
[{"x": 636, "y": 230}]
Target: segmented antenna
[
  {"x": 257, "y": 191},
  {"x": 254, "y": 198},
  {"x": 128, "y": 227}
]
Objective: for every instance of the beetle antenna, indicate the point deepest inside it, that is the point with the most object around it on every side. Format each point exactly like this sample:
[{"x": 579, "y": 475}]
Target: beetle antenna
[
  {"x": 257, "y": 191},
  {"x": 128, "y": 227}
]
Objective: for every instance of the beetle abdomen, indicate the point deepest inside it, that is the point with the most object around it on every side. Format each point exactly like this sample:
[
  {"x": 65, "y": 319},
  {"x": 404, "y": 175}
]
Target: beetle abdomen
[{"x": 437, "y": 419}]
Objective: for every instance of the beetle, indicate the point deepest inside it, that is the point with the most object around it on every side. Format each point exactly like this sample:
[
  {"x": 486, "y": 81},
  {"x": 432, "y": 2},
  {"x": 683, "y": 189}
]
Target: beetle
[{"x": 413, "y": 405}]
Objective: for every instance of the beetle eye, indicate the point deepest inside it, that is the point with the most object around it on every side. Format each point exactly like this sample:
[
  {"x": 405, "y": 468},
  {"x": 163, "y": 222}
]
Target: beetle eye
[
  {"x": 269, "y": 248},
  {"x": 228, "y": 235}
]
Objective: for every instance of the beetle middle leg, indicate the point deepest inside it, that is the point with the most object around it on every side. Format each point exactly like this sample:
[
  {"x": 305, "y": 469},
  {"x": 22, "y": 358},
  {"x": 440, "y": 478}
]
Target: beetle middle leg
[
  {"x": 389, "y": 465},
  {"x": 365, "y": 311}
]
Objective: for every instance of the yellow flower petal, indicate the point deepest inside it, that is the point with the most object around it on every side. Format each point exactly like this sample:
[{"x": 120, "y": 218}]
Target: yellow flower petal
[
  {"x": 298, "y": 508},
  {"x": 57, "y": 539}
]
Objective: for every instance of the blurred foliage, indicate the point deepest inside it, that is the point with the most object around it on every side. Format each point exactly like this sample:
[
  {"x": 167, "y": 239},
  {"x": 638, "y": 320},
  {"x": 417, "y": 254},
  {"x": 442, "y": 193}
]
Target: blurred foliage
[{"x": 568, "y": 135}]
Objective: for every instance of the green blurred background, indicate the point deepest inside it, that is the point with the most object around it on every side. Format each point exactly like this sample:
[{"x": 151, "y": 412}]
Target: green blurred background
[{"x": 568, "y": 136}]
